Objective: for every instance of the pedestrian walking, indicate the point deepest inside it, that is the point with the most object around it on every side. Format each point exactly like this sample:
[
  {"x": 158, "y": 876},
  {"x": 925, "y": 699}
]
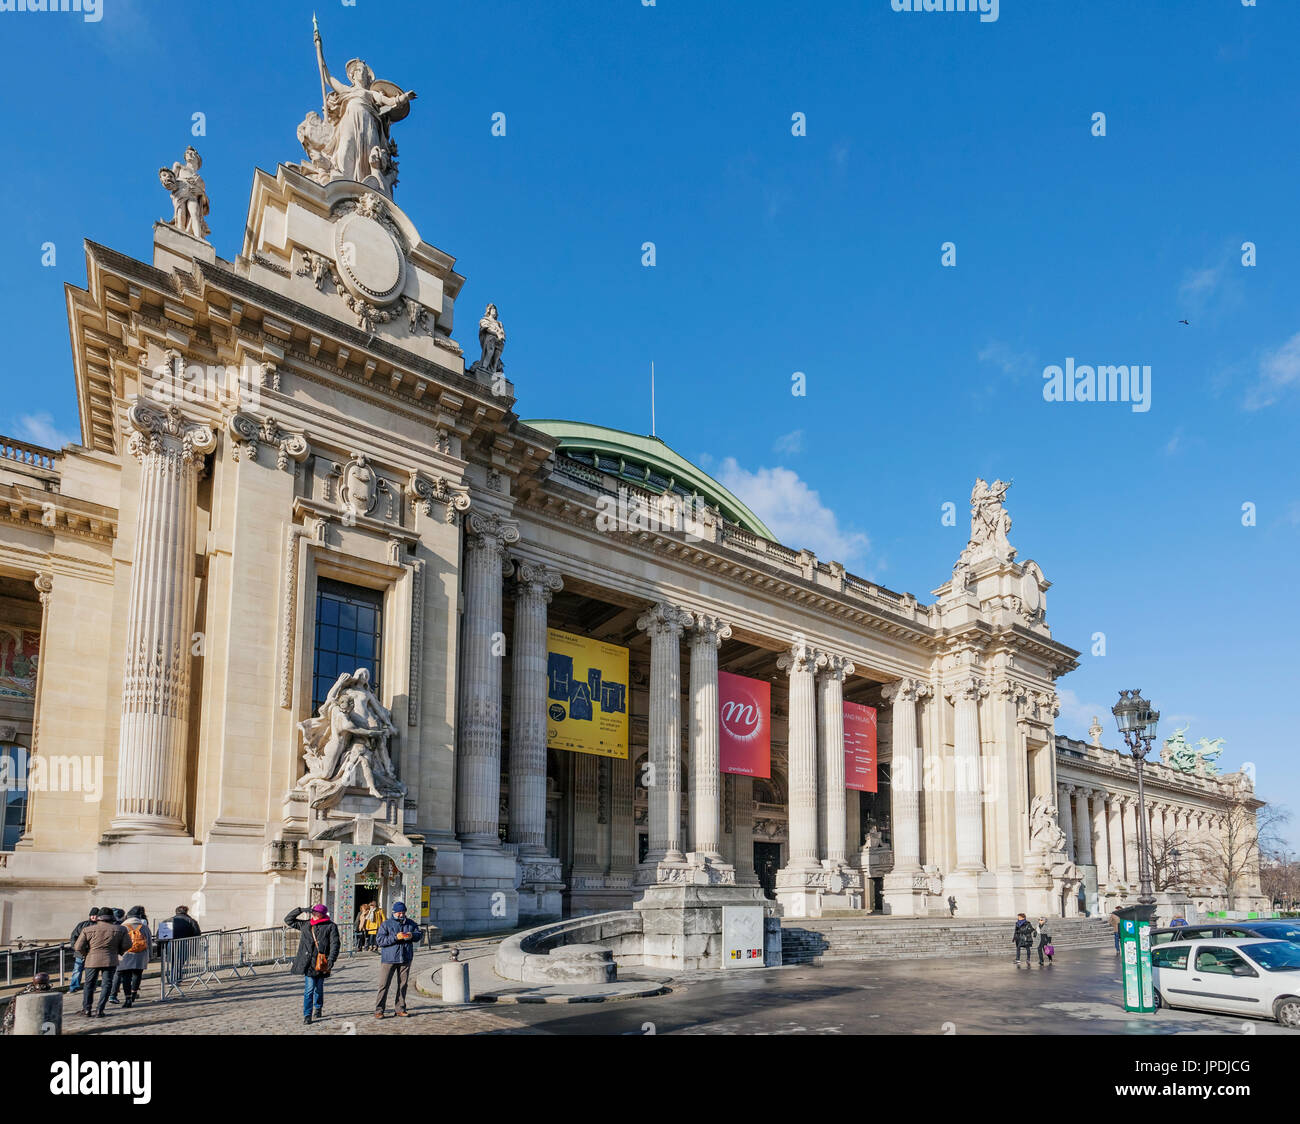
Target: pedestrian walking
[
  {"x": 318, "y": 948},
  {"x": 373, "y": 922},
  {"x": 1114, "y": 925},
  {"x": 100, "y": 945},
  {"x": 952, "y": 906},
  {"x": 79, "y": 962},
  {"x": 396, "y": 939},
  {"x": 1023, "y": 937},
  {"x": 136, "y": 958},
  {"x": 39, "y": 982},
  {"x": 1045, "y": 946}
]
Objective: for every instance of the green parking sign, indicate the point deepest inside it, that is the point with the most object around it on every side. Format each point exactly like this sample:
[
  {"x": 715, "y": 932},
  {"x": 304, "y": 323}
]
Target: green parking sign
[{"x": 1135, "y": 954}]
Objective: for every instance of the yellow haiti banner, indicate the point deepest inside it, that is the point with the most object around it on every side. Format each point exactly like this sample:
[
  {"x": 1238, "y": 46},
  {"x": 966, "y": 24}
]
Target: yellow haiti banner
[{"x": 586, "y": 695}]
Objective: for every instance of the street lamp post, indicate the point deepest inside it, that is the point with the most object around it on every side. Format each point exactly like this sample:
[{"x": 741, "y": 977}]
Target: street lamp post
[{"x": 1137, "y": 723}]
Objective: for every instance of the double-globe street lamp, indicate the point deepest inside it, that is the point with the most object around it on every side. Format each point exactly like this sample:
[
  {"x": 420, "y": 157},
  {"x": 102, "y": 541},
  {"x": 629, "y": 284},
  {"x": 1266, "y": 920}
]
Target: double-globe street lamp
[{"x": 1137, "y": 723}]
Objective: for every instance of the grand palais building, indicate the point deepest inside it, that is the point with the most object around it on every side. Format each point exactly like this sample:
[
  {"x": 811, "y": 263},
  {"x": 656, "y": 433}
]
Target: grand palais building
[{"x": 311, "y": 612}]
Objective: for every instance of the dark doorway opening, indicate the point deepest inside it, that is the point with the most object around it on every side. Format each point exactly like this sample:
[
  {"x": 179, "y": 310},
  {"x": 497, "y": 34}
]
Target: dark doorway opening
[{"x": 767, "y": 861}]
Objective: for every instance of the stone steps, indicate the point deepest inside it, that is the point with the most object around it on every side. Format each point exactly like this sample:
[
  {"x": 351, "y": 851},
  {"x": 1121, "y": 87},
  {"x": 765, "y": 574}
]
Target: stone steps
[{"x": 811, "y": 941}]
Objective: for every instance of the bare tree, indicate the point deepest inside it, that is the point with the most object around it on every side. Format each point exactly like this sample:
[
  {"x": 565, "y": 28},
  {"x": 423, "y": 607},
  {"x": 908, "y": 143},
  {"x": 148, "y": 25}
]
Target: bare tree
[
  {"x": 1173, "y": 859},
  {"x": 1280, "y": 880},
  {"x": 1232, "y": 856}
]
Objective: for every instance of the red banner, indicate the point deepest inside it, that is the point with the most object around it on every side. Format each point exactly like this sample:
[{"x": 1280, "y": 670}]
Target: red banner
[
  {"x": 859, "y": 747},
  {"x": 745, "y": 725}
]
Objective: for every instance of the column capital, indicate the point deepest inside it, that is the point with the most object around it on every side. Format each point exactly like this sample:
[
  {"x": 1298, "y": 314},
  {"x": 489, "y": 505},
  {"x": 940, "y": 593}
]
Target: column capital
[
  {"x": 705, "y": 630},
  {"x": 167, "y": 429},
  {"x": 44, "y": 586},
  {"x": 835, "y": 667},
  {"x": 665, "y": 618},
  {"x": 248, "y": 432},
  {"x": 971, "y": 688},
  {"x": 905, "y": 690},
  {"x": 492, "y": 532},
  {"x": 800, "y": 657},
  {"x": 538, "y": 579},
  {"x": 1066, "y": 789}
]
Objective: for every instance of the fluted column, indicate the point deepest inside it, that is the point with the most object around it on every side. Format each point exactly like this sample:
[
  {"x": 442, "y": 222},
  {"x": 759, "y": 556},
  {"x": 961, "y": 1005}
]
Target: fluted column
[
  {"x": 478, "y": 771},
  {"x": 905, "y": 781},
  {"x": 1084, "y": 825},
  {"x": 1065, "y": 811},
  {"x": 965, "y": 695},
  {"x": 1117, "y": 837},
  {"x": 1131, "y": 838},
  {"x": 154, "y": 733},
  {"x": 830, "y": 690},
  {"x": 1101, "y": 847},
  {"x": 707, "y": 634},
  {"x": 801, "y": 664},
  {"x": 535, "y": 586},
  {"x": 665, "y": 624}
]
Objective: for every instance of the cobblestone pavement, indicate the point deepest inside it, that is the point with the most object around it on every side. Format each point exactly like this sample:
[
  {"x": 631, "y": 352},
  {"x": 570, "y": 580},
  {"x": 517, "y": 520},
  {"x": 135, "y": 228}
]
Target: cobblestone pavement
[
  {"x": 271, "y": 1003},
  {"x": 1080, "y": 994}
]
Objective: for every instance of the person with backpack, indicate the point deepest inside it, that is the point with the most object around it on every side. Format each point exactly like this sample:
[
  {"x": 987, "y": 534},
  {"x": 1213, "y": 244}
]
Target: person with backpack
[
  {"x": 1044, "y": 942},
  {"x": 136, "y": 958},
  {"x": 100, "y": 945},
  {"x": 396, "y": 939},
  {"x": 318, "y": 948},
  {"x": 78, "y": 962},
  {"x": 1023, "y": 936}
]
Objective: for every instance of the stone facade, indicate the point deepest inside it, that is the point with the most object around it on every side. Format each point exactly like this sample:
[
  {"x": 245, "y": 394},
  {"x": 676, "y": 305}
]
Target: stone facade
[{"x": 258, "y": 430}]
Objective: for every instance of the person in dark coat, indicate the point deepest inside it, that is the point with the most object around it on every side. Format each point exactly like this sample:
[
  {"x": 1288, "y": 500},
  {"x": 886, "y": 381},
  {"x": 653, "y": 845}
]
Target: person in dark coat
[
  {"x": 1023, "y": 935},
  {"x": 396, "y": 939},
  {"x": 40, "y": 982},
  {"x": 100, "y": 946},
  {"x": 78, "y": 962},
  {"x": 317, "y": 935},
  {"x": 177, "y": 927}
]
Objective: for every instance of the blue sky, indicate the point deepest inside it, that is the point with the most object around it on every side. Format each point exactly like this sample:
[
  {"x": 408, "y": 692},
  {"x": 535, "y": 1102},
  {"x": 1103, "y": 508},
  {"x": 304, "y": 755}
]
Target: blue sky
[{"x": 819, "y": 254}]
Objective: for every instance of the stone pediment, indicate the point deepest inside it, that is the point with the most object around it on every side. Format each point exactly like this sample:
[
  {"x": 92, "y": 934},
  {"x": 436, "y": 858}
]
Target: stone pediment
[{"x": 345, "y": 250}]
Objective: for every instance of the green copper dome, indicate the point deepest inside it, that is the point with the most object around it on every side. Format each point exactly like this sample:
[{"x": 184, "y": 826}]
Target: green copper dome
[{"x": 648, "y": 463}]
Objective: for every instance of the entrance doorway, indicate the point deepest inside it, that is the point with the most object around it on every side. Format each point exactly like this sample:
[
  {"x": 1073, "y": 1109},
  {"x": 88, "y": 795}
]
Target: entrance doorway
[{"x": 767, "y": 861}]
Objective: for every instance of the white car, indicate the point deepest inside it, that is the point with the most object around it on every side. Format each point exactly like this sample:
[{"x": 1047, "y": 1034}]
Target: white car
[{"x": 1230, "y": 976}]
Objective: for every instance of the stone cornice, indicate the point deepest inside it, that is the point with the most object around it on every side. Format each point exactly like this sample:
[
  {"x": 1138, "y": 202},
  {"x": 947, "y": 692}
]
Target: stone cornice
[{"x": 56, "y": 513}]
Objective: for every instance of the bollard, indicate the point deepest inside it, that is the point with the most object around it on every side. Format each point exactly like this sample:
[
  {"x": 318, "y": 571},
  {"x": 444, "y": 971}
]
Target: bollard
[
  {"x": 455, "y": 982},
  {"x": 38, "y": 1012}
]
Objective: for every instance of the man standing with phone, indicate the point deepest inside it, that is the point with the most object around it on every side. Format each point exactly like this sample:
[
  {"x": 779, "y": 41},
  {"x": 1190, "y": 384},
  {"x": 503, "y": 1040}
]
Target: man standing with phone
[{"x": 396, "y": 940}]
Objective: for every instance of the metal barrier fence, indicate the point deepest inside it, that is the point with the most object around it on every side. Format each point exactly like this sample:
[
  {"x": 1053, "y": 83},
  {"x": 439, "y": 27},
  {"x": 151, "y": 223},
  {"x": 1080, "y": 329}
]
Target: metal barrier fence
[
  {"x": 24, "y": 963},
  {"x": 188, "y": 963}
]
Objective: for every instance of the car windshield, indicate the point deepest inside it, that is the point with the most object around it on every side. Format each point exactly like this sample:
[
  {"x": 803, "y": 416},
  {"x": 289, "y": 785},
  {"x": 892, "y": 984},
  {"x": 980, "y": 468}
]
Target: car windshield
[
  {"x": 1276, "y": 956},
  {"x": 1279, "y": 931}
]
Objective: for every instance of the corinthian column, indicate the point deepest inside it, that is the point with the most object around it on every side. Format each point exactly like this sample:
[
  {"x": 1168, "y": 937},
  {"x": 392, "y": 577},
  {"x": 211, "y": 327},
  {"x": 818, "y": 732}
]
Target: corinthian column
[
  {"x": 965, "y": 696},
  {"x": 707, "y": 634},
  {"x": 1116, "y": 833},
  {"x": 1065, "y": 812},
  {"x": 160, "y": 617},
  {"x": 830, "y": 685},
  {"x": 801, "y": 664},
  {"x": 535, "y": 586},
  {"x": 1085, "y": 828},
  {"x": 478, "y": 756},
  {"x": 905, "y": 783},
  {"x": 665, "y": 623}
]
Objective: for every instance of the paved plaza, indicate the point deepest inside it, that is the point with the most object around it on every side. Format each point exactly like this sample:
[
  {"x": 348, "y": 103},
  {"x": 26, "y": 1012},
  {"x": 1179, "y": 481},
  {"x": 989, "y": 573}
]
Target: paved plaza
[{"x": 976, "y": 995}]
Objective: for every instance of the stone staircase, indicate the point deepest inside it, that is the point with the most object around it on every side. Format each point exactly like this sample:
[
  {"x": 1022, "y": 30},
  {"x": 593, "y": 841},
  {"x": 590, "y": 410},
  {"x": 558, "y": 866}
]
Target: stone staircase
[{"x": 917, "y": 938}]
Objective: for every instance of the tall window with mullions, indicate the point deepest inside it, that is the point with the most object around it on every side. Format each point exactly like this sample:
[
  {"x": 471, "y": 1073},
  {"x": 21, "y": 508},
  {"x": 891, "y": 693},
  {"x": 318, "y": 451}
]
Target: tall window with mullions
[
  {"x": 13, "y": 795},
  {"x": 349, "y": 635}
]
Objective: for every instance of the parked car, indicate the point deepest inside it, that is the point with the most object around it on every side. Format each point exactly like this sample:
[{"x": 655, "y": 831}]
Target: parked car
[
  {"x": 1244, "y": 976},
  {"x": 1229, "y": 929}
]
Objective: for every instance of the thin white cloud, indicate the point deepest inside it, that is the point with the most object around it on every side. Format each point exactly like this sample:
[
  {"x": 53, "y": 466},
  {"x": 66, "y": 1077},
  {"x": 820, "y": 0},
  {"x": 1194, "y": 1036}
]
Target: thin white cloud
[
  {"x": 1174, "y": 443},
  {"x": 789, "y": 442},
  {"x": 1010, "y": 360},
  {"x": 1279, "y": 372},
  {"x": 1077, "y": 716},
  {"x": 795, "y": 513},
  {"x": 40, "y": 429}
]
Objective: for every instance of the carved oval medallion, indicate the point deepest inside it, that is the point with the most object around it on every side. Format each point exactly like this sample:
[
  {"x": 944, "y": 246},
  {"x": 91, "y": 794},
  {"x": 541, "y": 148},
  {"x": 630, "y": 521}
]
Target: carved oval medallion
[{"x": 371, "y": 263}]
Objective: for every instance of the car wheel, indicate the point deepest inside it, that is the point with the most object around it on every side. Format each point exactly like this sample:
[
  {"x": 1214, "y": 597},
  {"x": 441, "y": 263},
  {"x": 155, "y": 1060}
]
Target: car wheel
[
  {"x": 1287, "y": 1012},
  {"x": 1159, "y": 999}
]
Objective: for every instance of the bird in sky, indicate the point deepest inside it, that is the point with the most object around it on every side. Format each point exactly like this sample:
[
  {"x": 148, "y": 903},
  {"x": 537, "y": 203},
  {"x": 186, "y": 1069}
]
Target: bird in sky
[{"x": 1187, "y": 322}]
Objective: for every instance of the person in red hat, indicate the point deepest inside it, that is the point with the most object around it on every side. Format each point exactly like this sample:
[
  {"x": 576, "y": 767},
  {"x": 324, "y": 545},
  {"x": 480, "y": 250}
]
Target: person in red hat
[{"x": 318, "y": 948}]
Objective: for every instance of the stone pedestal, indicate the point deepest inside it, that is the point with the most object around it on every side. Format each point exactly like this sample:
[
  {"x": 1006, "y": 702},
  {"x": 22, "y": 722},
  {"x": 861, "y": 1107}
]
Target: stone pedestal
[
  {"x": 906, "y": 894},
  {"x": 682, "y": 925}
]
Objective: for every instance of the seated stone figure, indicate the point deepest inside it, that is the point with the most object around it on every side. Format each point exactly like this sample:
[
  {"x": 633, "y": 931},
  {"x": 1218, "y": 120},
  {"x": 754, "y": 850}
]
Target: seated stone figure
[{"x": 347, "y": 745}]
